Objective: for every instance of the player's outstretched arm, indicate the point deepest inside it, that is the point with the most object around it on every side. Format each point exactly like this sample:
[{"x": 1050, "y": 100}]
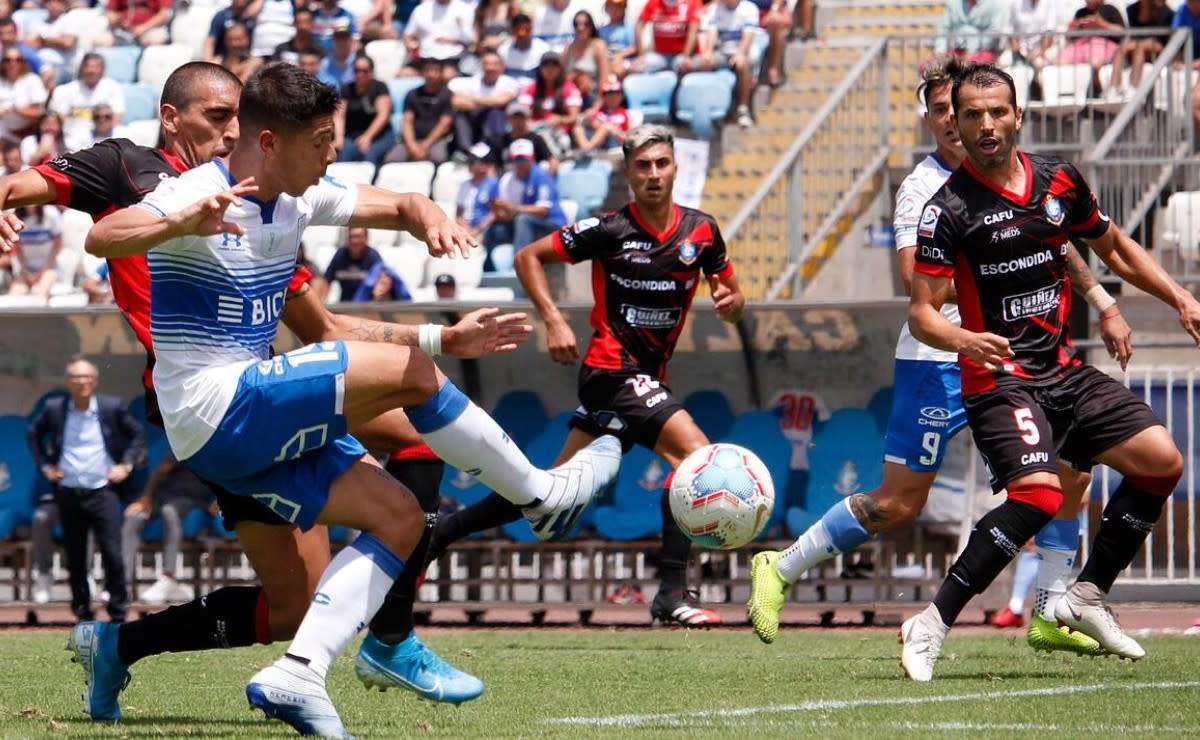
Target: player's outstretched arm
[
  {"x": 481, "y": 332},
  {"x": 378, "y": 208},
  {"x": 24, "y": 188},
  {"x": 530, "y": 265},
  {"x": 1114, "y": 330},
  {"x": 1132, "y": 263},
  {"x": 928, "y": 325},
  {"x": 135, "y": 230},
  {"x": 728, "y": 299}
]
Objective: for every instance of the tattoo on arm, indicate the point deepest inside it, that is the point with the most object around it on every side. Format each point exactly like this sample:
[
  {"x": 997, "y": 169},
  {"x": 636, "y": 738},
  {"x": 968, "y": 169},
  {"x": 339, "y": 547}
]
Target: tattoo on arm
[
  {"x": 1082, "y": 279},
  {"x": 365, "y": 330},
  {"x": 866, "y": 510}
]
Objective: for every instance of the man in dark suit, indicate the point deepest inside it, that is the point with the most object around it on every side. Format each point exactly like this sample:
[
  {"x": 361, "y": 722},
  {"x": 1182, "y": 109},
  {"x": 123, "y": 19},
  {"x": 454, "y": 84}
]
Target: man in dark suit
[{"x": 87, "y": 445}]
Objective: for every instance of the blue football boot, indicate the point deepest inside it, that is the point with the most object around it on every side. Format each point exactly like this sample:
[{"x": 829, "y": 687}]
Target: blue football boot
[
  {"x": 410, "y": 665},
  {"x": 105, "y": 676}
]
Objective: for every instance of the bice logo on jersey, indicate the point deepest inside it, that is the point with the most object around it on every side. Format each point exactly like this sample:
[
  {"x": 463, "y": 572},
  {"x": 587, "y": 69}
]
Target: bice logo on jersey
[
  {"x": 929, "y": 220},
  {"x": 1054, "y": 210}
]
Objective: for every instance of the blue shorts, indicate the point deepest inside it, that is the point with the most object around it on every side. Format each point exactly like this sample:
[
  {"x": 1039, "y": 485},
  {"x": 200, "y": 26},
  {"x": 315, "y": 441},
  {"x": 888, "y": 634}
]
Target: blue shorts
[
  {"x": 283, "y": 440},
  {"x": 927, "y": 413}
]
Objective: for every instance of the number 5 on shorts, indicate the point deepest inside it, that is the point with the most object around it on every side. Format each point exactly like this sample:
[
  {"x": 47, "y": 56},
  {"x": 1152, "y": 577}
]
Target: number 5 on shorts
[{"x": 1029, "y": 431}]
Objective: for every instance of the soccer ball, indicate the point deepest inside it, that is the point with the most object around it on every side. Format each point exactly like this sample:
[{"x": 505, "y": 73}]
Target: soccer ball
[{"x": 722, "y": 496}]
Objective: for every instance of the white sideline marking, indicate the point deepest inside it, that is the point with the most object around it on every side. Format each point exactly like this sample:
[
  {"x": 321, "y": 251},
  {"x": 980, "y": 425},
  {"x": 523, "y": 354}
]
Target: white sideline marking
[{"x": 820, "y": 705}]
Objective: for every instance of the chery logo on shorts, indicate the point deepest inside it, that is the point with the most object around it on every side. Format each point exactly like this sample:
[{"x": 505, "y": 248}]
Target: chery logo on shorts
[
  {"x": 1033, "y": 303},
  {"x": 934, "y": 416}
]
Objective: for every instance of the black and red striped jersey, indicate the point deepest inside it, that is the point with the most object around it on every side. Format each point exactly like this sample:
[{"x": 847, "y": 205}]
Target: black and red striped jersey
[
  {"x": 643, "y": 281},
  {"x": 1007, "y": 252}
]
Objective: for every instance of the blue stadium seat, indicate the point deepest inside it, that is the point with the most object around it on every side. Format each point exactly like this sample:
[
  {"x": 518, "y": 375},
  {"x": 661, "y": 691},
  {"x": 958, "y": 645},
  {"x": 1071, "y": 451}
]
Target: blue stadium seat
[
  {"x": 542, "y": 451},
  {"x": 400, "y": 87},
  {"x": 635, "y": 509},
  {"x": 880, "y": 407},
  {"x": 194, "y": 524},
  {"x": 141, "y": 102},
  {"x": 712, "y": 412},
  {"x": 522, "y": 414},
  {"x": 651, "y": 94},
  {"x": 120, "y": 62},
  {"x": 38, "y": 404},
  {"x": 18, "y": 472},
  {"x": 702, "y": 99},
  {"x": 9, "y": 520},
  {"x": 503, "y": 256},
  {"x": 846, "y": 458},
  {"x": 759, "y": 431},
  {"x": 585, "y": 182}
]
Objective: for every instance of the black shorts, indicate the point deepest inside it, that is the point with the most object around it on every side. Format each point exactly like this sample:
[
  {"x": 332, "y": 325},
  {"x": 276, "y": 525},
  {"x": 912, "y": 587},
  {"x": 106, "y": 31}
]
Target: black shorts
[
  {"x": 236, "y": 509},
  {"x": 1022, "y": 429},
  {"x": 631, "y": 406}
]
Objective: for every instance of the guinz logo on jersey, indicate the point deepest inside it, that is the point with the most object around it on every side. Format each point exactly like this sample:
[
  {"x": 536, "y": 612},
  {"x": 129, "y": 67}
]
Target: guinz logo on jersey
[{"x": 929, "y": 220}]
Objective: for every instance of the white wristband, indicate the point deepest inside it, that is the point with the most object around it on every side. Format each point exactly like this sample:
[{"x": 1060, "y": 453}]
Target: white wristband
[
  {"x": 1099, "y": 299},
  {"x": 429, "y": 339}
]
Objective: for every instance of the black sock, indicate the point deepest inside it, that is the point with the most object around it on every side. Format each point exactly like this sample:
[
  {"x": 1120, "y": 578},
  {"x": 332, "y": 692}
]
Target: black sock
[
  {"x": 1127, "y": 521},
  {"x": 994, "y": 542},
  {"x": 394, "y": 620},
  {"x": 493, "y": 511},
  {"x": 676, "y": 549},
  {"x": 225, "y": 618}
]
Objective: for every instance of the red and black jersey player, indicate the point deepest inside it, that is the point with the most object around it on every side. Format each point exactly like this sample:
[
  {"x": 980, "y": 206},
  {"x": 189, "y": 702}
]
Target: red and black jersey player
[
  {"x": 997, "y": 232},
  {"x": 198, "y": 115},
  {"x": 647, "y": 260}
]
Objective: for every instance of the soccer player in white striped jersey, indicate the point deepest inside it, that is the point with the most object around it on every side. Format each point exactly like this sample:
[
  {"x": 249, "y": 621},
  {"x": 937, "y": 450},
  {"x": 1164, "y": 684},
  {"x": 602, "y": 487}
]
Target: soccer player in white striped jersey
[
  {"x": 221, "y": 244},
  {"x": 928, "y": 412}
]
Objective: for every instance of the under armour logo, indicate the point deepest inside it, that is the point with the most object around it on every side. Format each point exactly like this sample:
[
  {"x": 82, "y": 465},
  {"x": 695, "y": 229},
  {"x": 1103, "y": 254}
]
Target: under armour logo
[{"x": 231, "y": 241}]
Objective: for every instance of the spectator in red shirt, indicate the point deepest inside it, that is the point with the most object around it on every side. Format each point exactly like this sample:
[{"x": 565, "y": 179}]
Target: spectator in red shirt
[
  {"x": 604, "y": 126},
  {"x": 136, "y": 22},
  {"x": 675, "y": 25}
]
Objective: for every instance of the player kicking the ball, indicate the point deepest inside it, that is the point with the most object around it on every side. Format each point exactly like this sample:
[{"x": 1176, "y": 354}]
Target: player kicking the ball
[
  {"x": 997, "y": 233},
  {"x": 928, "y": 378},
  {"x": 217, "y": 289}
]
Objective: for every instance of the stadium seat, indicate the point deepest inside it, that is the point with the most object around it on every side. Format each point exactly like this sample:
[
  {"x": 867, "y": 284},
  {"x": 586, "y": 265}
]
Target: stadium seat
[
  {"x": 503, "y": 256},
  {"x": 19, "y": 477},
  {"x": 570, "y": 210},
  {"x": 399, "y": 89},
  {"x": 541, "y": 451},
  {"x": 450, "y": 176},
  {"x": 1064, "y": 89},
  {"x": 702, "y": 99},
  {"x": 408, "y": 259},
  {"x": 318, "y": 238},
  {"x": 141, "y": 102},
  {"x": 352, "y": 173},
  {"x": 158, "y": 62},
  {"x": 144, "y": 133},
  {"x": 388, "y": 56},
  {"x": 847, "y": 458},
  {"x": 880, "y": 407},
  {"x": 651, "y": 94},
  {"x": 407, "y": 177},
  {"x": 1022, "y": 75},
  {"x": 120, "y": 62},
  {"x": 712, "y": 412},
  {"x": 585, "y": 182},
  {"x": 9, "y": 521},
  {"x": 27, "y": 18},
  {"x": 635, "y": 511},
  {"x": 190, "y": 27},
  {"x": 467, "y": 272},
  {"x": 1182, "y": 229},
  {"x": 522, "y": 415},
  {"x": 759, "y": 431}
]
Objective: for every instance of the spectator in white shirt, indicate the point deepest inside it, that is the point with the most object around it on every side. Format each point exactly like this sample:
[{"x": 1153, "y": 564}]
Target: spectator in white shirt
[
  {"x": 22, "y": 96},
  {"x": 103, "y": 127},
  {"x": 480, "y": 101},
  {"x": 523, "y": 52},
  {"x": 56, "y": 39},
  {"x": 274, "y": 26},
  {"x": 37, "y": 251},
  {"x": 441, "y": 30},
  {"x": 76, "y": 100},
  {"x": 727, "y": 31},
  {"x": 1032, "y": 24},
  {"x": 552, "y": 23}
]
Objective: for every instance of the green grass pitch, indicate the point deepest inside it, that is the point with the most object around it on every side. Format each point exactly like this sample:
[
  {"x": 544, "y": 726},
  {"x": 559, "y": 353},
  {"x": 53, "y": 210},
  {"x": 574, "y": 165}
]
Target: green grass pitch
[{"x": 665, "y": 683}]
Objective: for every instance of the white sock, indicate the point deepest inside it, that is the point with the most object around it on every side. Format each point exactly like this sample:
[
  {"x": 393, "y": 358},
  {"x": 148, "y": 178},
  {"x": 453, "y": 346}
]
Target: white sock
[
  {"x": 465, "y": 436},
  {"x": 351, "y": 590},
  {"x": 1027, "y": 571},
  {"x": 1054, "y": 572},
  {"x": 810, "y": 548}
]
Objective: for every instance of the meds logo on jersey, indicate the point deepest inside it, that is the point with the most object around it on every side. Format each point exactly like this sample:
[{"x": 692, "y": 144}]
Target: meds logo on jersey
[
  {"x": 929, "y": 220},
  {"x": 688, "y": 253},
  {"x": 1054, "y": 210}
]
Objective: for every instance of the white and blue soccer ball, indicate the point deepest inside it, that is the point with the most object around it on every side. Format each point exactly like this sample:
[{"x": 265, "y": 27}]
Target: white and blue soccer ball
[{"x": 722, "y": 496}]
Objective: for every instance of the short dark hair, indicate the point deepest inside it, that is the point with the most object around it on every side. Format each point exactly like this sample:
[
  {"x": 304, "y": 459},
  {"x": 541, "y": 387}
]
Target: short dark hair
[
  {"x": 9, "y": 145},
  {"x": 283, "y": 97},
  {"x": 180, "y": 88},
  {"x": 983, "y": 76},
  {"x": 306, "y": 10},
  {"x": 518, "y": 19},
  {"x": 938, "y": 70}
]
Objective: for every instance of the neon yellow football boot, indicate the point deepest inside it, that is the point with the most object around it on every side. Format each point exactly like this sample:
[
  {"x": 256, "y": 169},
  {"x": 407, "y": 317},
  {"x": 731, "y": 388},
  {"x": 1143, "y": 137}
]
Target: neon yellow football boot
[
  {"x": 767, "y": 592},
  {"x": 1045, "y": 635}
]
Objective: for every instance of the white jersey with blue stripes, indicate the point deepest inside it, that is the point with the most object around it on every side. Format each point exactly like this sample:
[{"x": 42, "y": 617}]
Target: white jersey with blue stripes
[
  {"x": 920, "y": 185},
  {"x": 215, "y": 301}
]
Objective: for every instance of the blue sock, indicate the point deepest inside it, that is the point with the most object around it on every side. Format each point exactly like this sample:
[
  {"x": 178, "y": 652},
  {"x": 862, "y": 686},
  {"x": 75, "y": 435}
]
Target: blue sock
[
  {"x": 845, "y": 531},
  {"x": 1059, "y": 534},
  {"x": 446, "y": 405}
]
